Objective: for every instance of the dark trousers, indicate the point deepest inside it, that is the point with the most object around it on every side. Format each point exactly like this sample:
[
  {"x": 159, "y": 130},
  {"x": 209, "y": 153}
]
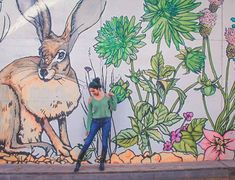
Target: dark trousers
[{"x": 96, "y": 124}]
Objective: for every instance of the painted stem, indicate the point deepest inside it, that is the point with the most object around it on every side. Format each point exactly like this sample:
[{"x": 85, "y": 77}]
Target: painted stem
[
  {"x": 213, "y": 67},
  {"x": 207, "y": 112},
  {"x": 136, "y": 85},
  {"x": 186, "y": 90}
]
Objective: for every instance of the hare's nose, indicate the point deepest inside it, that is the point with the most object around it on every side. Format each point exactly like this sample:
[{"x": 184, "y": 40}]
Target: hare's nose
[{"x": 43, "y": 72}]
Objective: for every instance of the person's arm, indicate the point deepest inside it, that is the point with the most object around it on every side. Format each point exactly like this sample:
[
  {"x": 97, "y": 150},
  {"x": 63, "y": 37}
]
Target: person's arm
[
  {"x": 112, "y": 101},
  {"x": 89, "y": 115}
]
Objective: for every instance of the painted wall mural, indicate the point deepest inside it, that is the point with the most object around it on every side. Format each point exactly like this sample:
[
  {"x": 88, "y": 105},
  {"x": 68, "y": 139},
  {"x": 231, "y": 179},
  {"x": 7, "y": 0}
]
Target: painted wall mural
[{"x": 170, "y": 64}]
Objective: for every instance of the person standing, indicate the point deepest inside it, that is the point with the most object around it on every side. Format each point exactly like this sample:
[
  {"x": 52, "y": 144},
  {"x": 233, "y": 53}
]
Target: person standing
[{"x": 100, "y": 107}]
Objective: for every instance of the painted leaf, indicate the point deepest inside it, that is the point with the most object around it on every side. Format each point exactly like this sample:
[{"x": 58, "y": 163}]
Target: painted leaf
[
  {"x": 157, "y": 63},
  {"x": 160, "y": 114},
  {"x": 147, "y": 86},
  {"x": 167, "y": 71},
  {"x": 137, "y": 127},
  {"x": 142, "y": 109},
  {"x": 142, "y": 142},
  {"x": 195, "y": 128},
  {"x": 155, "y": 135},
  {"x": 126, "y": 138},
  {"x": 187, "y": 144},
  {"x": 171, "y": 119},
  {"x": 164, "y": 129},
  {"x": 182, "y": 96}
]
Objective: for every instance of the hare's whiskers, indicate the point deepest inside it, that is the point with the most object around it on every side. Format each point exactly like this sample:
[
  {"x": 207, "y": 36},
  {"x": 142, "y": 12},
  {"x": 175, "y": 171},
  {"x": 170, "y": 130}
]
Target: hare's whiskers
[{"x": 59, "y": 82}]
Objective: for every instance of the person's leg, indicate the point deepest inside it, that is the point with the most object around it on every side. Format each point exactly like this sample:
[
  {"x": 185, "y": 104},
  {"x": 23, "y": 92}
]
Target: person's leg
[
  {"x": 95, "y": 126},
  {"x": 106, "y": 127}
]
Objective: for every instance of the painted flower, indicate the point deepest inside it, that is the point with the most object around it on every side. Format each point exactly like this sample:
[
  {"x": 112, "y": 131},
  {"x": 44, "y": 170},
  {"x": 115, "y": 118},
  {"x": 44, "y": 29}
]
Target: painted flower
[
  {"x": 172, "y": 19},
  {"x": 119, "y": 40},
  {"x": 167, "y": 146},
  {"x": 188, "y": 116},
  {"x": 87, "y": 69},
  {"x": 208, "y": 87},
  {"x": 207, "y": 22},
  {"x": 176, "y": 136},
  {"x": 120, "y": 89},
  {"x": 216, "y": 2},
  {"x": 214, "y": 5},
  {"x": 194, "y": 59},
  {"x": 218, "y": 147},
  {"x": 208, "y": 18},
  {"x": 230, "y": 35}
]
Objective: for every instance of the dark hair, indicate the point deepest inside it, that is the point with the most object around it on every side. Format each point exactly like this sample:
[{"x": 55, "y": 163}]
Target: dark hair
[{"x": 95, "y": 83}]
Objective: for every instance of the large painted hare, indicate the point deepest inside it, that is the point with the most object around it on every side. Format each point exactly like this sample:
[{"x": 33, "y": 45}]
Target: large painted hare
[{"x": 37, "y": 89}]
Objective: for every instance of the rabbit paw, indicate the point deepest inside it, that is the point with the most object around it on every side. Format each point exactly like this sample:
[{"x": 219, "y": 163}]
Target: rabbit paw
[{"x": 64, "y": 150}]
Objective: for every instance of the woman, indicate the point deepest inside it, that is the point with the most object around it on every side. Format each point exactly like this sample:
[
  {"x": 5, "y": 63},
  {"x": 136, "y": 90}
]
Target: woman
[{"x": 100, "y": 106}]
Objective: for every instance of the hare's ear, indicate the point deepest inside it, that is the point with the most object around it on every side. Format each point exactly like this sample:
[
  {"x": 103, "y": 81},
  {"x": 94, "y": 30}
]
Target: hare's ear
[
  {"x": 85, "y": 14},
  {"x": 37, "y": 13}
]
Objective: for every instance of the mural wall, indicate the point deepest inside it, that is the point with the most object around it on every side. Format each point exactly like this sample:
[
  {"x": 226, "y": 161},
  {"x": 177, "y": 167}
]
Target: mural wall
[{"x": 169, "y": 62}]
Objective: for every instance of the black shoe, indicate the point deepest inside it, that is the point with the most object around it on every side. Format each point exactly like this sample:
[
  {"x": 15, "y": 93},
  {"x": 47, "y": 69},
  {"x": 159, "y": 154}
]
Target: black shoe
[
  {"x": 101, "y": 168},
  {"x": 78, "y": 165}
]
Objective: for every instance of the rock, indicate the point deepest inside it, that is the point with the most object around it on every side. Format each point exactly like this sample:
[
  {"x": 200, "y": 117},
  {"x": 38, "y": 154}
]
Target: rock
[
  {"x": 10, "y": 158},
  {"x": 29, "y": 159},
  {"x": 146, "y": 160},
  {"x": 126, "y": 156},
  {"x": 170, "y": 157},
  {"x": 2, "y": 154},
  {"x": 137, "y": 159},
  {"x": 115, "y": 159},
  {"x": 70, "y": 160},
  {"x": 200, "y": 157},
  {"x": 21, "y": 157},
  {"x": 2, "y": 161},
  {"x": 185, "y": 157},
  {"x": 155, "y": 158}
]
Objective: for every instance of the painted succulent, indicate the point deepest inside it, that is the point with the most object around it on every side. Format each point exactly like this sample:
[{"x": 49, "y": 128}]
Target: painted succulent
[
  {"x": 118, "y": 40},
  {"x": 172, "y": 19},
  {"x": 208, "y": 87},
  {"x": 120, "y": 89},
  {"x": 194, "y": 59}
]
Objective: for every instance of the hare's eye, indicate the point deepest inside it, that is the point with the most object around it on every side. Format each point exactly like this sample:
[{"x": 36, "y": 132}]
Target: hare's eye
[{"x": 61, "y": 55}]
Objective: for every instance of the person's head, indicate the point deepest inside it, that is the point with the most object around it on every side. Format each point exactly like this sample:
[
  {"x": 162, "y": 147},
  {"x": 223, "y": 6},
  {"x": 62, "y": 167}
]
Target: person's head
[{"x": 95, "y": 86}]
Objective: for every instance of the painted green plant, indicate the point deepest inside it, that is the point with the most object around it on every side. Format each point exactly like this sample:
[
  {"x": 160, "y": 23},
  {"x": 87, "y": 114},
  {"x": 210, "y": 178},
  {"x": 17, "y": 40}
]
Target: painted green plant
[
  {"x": 172, "y": 19},
  {"x": 120, "y": 89},
  {"x": 153, "y": 119},
  {"x": 194, "y": 59},
  {"x": 225, "y": 121},
  {"x": 146, "y": 125},
  {"x": 118, "y": 40}
]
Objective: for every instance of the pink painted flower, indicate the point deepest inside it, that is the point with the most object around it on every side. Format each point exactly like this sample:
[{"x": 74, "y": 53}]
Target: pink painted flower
[
  {"x": 188, "y": 116},
  {"x": 167, "y": 146},
  {"x": 176, "y": 136},
  {"x": 217, "y": 146},
  {"x": 208, "y": 19},
  {"x": 230, "y": 35},
  {"x": 185, "y": 127},
  {"x": 216, "y": 2}
]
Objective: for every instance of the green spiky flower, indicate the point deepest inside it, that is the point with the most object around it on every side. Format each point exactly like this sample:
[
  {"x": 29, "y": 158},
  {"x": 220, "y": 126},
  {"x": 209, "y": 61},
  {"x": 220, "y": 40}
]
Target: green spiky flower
[
  {"x": 194, "y": 59},
  {"x": 172, "y": 19},
  {"x": 119, "y": 40},
  {"x": 120, "y": 89}
]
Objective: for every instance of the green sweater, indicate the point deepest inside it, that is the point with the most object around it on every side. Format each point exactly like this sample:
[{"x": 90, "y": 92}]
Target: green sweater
[{"x": 100, "y": 108}]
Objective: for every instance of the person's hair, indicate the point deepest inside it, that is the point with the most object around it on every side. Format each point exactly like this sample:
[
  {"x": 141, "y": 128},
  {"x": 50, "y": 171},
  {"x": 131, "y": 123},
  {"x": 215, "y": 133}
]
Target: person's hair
[{"x": 95, "y": 83}]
